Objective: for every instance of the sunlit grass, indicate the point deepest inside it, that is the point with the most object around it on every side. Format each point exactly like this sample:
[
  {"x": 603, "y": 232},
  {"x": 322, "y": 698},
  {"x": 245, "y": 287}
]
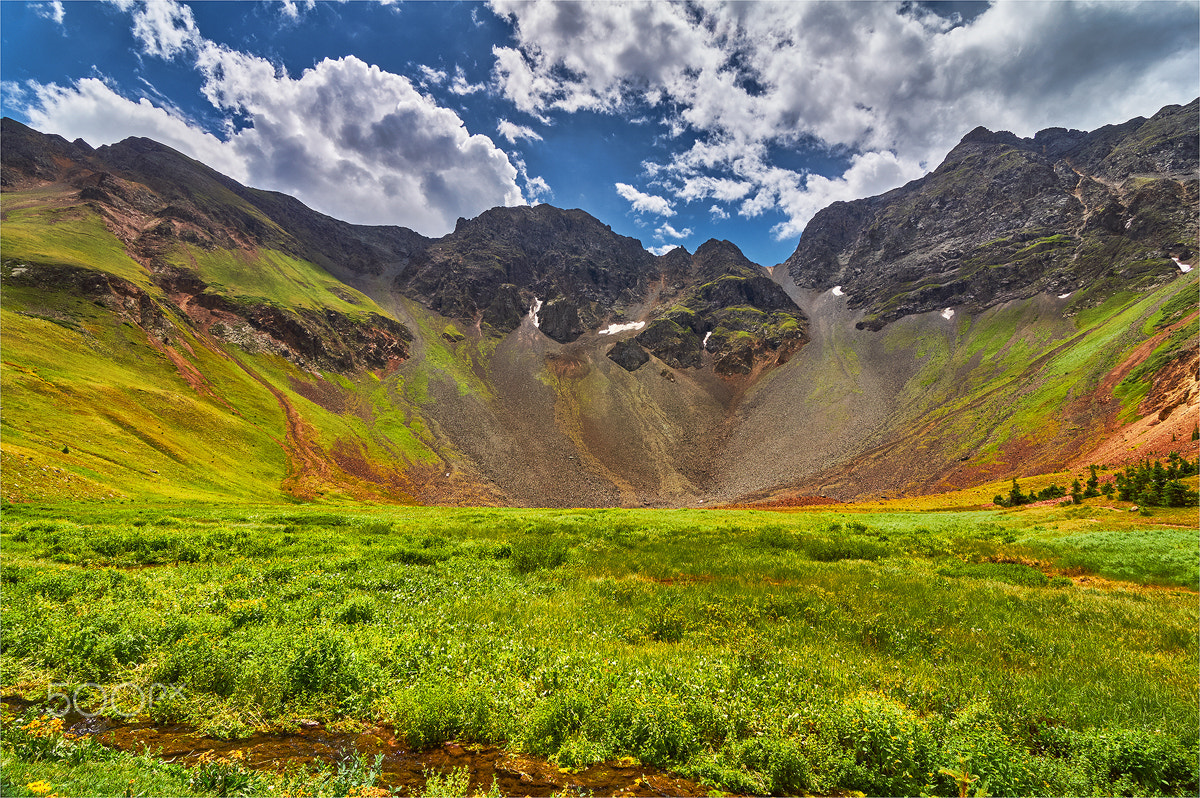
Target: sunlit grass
[{"x": 753, "y": 650}]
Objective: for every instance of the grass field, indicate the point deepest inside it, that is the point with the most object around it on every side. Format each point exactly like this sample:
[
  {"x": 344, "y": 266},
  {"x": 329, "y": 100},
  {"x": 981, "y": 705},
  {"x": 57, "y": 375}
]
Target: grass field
[{"x": 1046, "y": 651}]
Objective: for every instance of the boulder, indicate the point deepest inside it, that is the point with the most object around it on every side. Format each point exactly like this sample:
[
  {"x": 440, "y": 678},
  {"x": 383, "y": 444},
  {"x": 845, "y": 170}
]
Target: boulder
[{"x": 628, "y": 355}]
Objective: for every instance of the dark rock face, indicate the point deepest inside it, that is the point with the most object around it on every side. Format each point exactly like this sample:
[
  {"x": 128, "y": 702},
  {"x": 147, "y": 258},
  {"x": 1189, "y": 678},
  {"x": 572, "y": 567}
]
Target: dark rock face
[
  {"x": 559, "y": 320},
  {"x": 30, "y": 156},
  {"x": 628, "y": 355},
  {"x": 506, "y": 309},
  {"x": 674, "y": 344},
  {"x": 332, "y": 340},
  {"x": 1005, "y": 218},
  {"x": 732, "y": 310},
  {"x": 566, "y": 258}
]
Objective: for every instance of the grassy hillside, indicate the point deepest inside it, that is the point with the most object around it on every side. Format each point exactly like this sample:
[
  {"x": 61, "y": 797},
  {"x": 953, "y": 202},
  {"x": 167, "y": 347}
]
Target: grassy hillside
[
  {"x": 111, "y": 392},
  {"x": 931, "y": 403},
  {"x": 888, "y": 653}
]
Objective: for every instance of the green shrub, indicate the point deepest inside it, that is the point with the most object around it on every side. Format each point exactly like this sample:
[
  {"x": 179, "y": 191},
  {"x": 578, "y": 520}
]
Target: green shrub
[
  {"x": 531, "y": 554},
  {"x": 776, "y": 537},
  {"x": 780, "y": 760},
  {"x": 1007, "y": 572},
  {"x": 975, "y": 746},
  {"x": 322, "y": 663},
  {"x": 823, "y": 550},
  {"x": 1146, "y": 762},
  {"x": 360, "y": 609},
  {"x": 553, "y": 720},
  {"x": 885, "y": 748},
  {"x": 428, "y": 715},
  {"x": 650, "y": 726},
  {"x": 201, "y": 664}
]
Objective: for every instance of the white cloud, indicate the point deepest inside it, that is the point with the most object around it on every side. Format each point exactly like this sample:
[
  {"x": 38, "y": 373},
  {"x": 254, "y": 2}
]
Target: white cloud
[
  {"x": 345, "y": 137},
  {"x": 894, "y": 84},
  {"x": 518, "y": 81},
  {"x": 94, "y": 112},
  {"x": 165, "y": 29},
  {"x": 663, "y": 250},
  {"x": 537, "y": 190},
  {"x": 291, "y": 8},
  {"x": 869, "y": 174},
  {"x": 718, "y": 213},
  {"x": 645, "y": 203},
  {"x": 429, "y": 75},
  {"x": 52, "y": 10},
  {"x": 358, "y": 142},
  {"x": 460, "y": 85},
  {"x": 704, "y": 187},
  {"x": 513, "y": 132},
  {"x": 667, "y": 231}
]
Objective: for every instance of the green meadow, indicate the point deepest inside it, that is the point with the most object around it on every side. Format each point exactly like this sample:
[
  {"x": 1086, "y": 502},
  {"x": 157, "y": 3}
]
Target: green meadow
[{"x": 1041, "y": 651}]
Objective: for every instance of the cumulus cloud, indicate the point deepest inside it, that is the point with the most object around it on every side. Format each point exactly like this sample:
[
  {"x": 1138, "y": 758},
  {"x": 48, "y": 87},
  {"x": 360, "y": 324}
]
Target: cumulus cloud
[
  {"x": 345, "y": 137},
  {"x": 895, "y": 85},
  {"x": 513, "y": 132},
  {"x": 667, "y": 231},
  {"x": 91, "y": 110},
  {"x": 704, "y": 187},
  {"x": 537, "y": 190},
  {"x": 663, "y": 250},
  {"x": 348, "y": 136},
  {"x": 800, "y": 197},
  {"x": 718, "y": 213},
  {"x": 645, "y": 203}
]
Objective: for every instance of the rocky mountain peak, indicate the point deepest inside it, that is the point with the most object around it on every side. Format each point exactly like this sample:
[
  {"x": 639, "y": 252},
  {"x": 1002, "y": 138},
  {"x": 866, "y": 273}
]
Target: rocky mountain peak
[
  {"x": 716, "y": 256},
  {"x": 1005, "y": 217}
]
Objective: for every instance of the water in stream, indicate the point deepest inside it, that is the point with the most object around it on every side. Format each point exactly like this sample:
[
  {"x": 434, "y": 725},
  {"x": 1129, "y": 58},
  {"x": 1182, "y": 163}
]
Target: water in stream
[{"x": 402, "y": 770}]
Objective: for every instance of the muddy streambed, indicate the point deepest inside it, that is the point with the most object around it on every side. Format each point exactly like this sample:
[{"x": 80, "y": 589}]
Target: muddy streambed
[{"x": 402, "y": 769}]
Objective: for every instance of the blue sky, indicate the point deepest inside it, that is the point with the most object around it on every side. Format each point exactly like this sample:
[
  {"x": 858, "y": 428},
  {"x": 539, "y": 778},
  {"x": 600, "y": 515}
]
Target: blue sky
[{"x": 674, "y": 123}]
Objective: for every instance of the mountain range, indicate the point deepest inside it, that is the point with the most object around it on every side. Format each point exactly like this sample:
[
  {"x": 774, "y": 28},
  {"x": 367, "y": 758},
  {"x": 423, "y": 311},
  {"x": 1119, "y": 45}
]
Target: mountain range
[{"x": 169, "y": 334}]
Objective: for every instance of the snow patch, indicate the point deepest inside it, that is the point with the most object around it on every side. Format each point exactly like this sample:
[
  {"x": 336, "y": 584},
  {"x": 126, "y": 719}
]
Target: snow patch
[
  {"x": 1064, "y": 296},
  {"x": 948, "y": 313},
  {"x": 19, "y": 270},
  {"x": 707, "y": 335},
  {"x": 837, "y": 291},
  {"x": 613, "y": 329},
  {"x": 1183, "y": 267},
  {"x": 534, "y": 311}
]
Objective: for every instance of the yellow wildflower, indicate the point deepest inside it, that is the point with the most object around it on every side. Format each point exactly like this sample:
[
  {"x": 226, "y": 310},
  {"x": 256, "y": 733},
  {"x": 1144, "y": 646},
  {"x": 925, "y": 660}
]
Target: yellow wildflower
[{"x": 39, "y": 787}]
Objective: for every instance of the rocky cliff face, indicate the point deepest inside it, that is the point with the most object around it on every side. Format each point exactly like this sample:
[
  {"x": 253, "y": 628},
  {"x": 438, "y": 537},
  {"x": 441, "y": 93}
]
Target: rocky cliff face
[
  {"x": 573, "y": 275},
  {"x": 731, "y": 310},
  {"x": 492, "y": 270},
  {"x": 1004, "y": 218}
]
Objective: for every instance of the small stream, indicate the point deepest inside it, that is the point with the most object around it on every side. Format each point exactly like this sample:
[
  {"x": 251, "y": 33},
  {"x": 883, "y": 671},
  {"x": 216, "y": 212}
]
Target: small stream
[{"x": 402, "y": 769}]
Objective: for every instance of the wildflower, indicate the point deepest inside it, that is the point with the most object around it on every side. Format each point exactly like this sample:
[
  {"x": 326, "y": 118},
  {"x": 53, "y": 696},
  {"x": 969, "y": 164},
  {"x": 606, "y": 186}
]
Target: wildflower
[{"x": 39, "y": 787}]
